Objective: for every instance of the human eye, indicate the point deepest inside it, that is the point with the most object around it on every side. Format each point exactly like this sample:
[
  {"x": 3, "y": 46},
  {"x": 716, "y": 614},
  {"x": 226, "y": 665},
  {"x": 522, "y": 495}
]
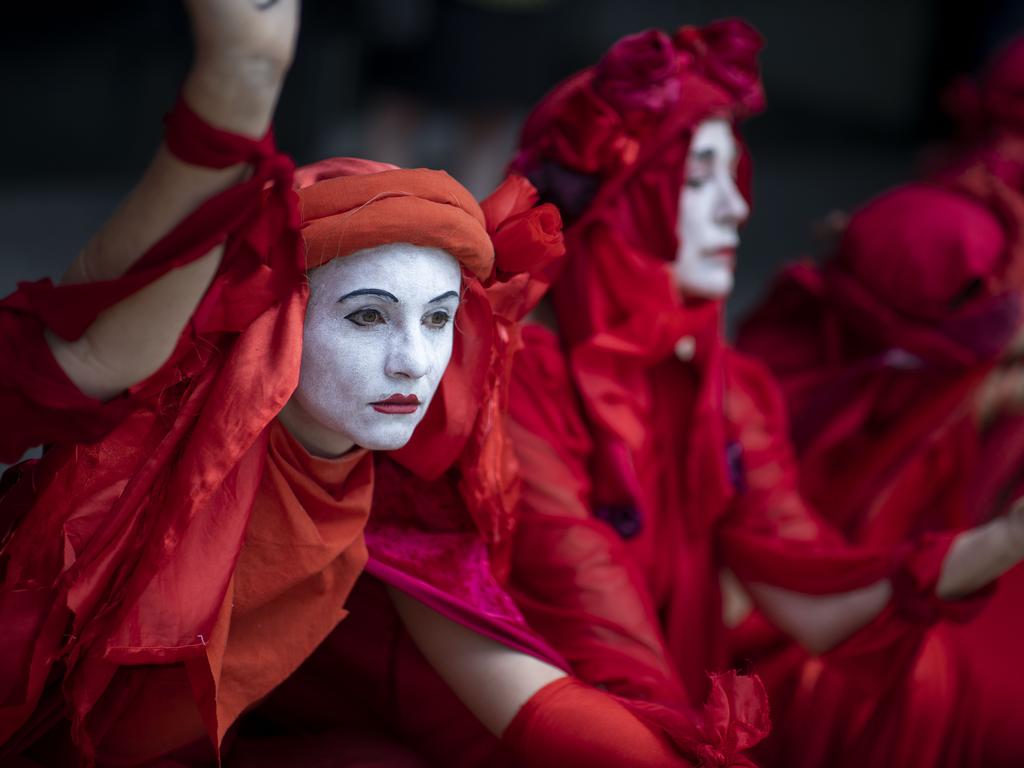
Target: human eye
[
  {"x": 437, "y": 319},
  {"x": 696, "y": 182},
  {"x": 366, "y": 317}
]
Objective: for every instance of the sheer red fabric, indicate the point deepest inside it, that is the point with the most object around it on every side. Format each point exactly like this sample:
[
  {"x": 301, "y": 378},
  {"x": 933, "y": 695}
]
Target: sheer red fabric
[
  {"x": 645, "y": 475},
  {"x": 881, "y": 366}
]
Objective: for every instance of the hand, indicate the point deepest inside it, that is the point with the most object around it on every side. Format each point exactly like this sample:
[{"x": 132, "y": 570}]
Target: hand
[
  {"x": 243, "y": 51},
  {"x": 259, "y": 31},
  {"x": 1001, "y": 393}
]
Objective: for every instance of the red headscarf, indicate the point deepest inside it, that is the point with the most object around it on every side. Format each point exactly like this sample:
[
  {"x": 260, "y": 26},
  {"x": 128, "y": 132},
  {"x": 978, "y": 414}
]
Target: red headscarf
[
  {"x": 97, "y": 526},
  {"x": 609, "y": 145}
]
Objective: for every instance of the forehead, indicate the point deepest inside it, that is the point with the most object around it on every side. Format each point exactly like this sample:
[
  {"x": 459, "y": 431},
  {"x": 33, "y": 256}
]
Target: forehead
[
  {"x": 713, "y": 136},
  {"x": 399, "y": 268}
]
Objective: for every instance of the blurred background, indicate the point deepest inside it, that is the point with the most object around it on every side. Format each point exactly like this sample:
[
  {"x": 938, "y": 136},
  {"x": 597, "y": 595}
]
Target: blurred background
[{"x": 854, "y": 93}]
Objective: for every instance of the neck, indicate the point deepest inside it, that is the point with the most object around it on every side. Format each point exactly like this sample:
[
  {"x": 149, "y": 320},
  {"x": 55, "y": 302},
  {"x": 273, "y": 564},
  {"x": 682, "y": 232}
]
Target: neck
[{"x": 317, "y": 439}]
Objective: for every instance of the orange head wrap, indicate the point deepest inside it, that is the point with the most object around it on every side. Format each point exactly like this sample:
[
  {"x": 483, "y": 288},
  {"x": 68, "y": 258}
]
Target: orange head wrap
[{"x": 348, "y": 204}]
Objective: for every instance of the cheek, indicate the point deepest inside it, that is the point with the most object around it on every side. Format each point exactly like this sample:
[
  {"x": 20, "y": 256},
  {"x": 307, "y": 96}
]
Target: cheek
[
  {"x": 337, "y": 363},
  {"x": 441, "y": 345},
  {"x": 697, "y": 219}
]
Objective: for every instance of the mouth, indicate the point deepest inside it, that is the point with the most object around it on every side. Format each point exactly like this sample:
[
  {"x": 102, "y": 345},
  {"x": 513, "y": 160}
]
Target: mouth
[
  {"x": 725, "y": 255},
  {"x": 397, "y": 404}
]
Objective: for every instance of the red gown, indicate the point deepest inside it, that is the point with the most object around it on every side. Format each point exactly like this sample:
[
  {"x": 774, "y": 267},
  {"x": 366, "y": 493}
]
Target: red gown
[
  {"x": 881, "y": 378},
  {"x": 646, "y": 475}
]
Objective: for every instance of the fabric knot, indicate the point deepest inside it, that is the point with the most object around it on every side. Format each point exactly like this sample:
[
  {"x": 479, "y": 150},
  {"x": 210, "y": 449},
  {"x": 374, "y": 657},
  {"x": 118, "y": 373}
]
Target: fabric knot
[
  {"x": 639, "y": 72},
  {"x": 726, "y": 53},
  {"x": 194, "y": 141},
  {"x": 278, "y": 168}
]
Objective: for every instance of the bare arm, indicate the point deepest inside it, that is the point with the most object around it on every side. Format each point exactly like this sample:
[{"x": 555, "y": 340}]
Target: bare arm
[
  {"x": 977, "y": 557},
  {"x": 243, "y": 50},
  {"x": 820, "y": 622},
  {"x": 983, "y": 554},
  {"x": 493, "y": 681}
]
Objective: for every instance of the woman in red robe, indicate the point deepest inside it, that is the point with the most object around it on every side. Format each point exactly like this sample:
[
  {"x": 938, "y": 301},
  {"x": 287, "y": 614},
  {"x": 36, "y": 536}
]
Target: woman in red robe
[
  {"x": 656, "y": 459},
  {"x": 896, "y": 359},
  {"x": 192, "y": 532}
]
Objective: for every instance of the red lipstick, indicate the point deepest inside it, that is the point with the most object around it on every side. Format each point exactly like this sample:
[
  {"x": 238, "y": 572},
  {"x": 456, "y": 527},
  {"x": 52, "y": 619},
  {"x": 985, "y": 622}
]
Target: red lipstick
[
  {"x": 725, "y": 255},
  {"x": 397, "y": 404}
]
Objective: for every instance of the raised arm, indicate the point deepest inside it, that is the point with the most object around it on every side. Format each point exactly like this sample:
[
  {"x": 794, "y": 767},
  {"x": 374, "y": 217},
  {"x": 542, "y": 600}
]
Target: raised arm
[{"x": 243, "y": 49}]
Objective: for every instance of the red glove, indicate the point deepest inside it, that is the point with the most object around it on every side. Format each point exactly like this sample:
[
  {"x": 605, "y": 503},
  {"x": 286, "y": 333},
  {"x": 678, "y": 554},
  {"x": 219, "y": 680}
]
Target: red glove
[{"x": 570, "y": 725}]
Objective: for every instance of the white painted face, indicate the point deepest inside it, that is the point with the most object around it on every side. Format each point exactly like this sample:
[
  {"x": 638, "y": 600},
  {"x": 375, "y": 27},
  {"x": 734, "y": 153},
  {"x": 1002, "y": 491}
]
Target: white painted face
[
  {"x": 377, "y": 339},
  {"x": 711, "y": 210}
]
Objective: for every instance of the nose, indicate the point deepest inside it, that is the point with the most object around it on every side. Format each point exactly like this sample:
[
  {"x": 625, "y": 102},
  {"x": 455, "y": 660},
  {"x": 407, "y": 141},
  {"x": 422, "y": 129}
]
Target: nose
[
  {"x": 408, "y": 356},
  {"x": 731, "y": 206}
]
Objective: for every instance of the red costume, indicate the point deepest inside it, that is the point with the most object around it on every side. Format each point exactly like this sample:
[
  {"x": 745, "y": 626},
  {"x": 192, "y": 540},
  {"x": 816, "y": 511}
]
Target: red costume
[
  {"x": 881, "y": 352},
  {"x": 645, "y": 475},
  {"x": 176, "y": 555}
]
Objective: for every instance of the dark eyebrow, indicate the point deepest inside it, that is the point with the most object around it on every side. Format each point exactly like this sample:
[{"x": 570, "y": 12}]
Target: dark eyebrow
[
  {"x": 444, "y": 296},
  {"x": 370, "y": 292}
]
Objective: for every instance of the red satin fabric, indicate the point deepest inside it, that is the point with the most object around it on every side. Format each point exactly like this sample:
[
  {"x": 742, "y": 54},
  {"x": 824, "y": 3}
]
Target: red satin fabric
[
  {"x": 42, "y": 403},
  {"x": 92, "y": 525},
  {"x": 884, "y": 377}
]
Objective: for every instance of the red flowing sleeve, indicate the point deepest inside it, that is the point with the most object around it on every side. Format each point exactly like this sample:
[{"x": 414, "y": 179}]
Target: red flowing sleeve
[
  {"x": 88, "y": 529},
  {"x": 570, "y": 573},
  {"x": 38, "y": 402},
  {"x": 773, "y": 536}
]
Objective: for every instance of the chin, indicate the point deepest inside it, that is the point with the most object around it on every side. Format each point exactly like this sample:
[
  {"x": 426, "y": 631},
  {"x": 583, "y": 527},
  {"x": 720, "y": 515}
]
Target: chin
[
  {"x": 387, "y": 439},
  {"x": 707, "y": 292},
  {"x": 711, "y": 287}
]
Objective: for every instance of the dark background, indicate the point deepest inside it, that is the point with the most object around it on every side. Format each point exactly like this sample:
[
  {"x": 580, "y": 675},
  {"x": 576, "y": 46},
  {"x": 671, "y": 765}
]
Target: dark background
[{"x": 853, "y": 92}]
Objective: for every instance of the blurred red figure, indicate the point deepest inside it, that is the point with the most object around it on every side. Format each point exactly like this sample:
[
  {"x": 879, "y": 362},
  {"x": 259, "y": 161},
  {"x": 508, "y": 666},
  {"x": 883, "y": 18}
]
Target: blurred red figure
[
  {"x": 896, "y": 360},
  {"x": 655, "y": 459}
]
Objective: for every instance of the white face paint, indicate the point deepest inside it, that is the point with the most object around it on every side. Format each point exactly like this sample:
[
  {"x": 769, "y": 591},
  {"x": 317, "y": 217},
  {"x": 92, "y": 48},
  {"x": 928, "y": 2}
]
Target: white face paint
[
  {"x": 376, "y": 341},
  {"x": 711, "y": 210}
]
